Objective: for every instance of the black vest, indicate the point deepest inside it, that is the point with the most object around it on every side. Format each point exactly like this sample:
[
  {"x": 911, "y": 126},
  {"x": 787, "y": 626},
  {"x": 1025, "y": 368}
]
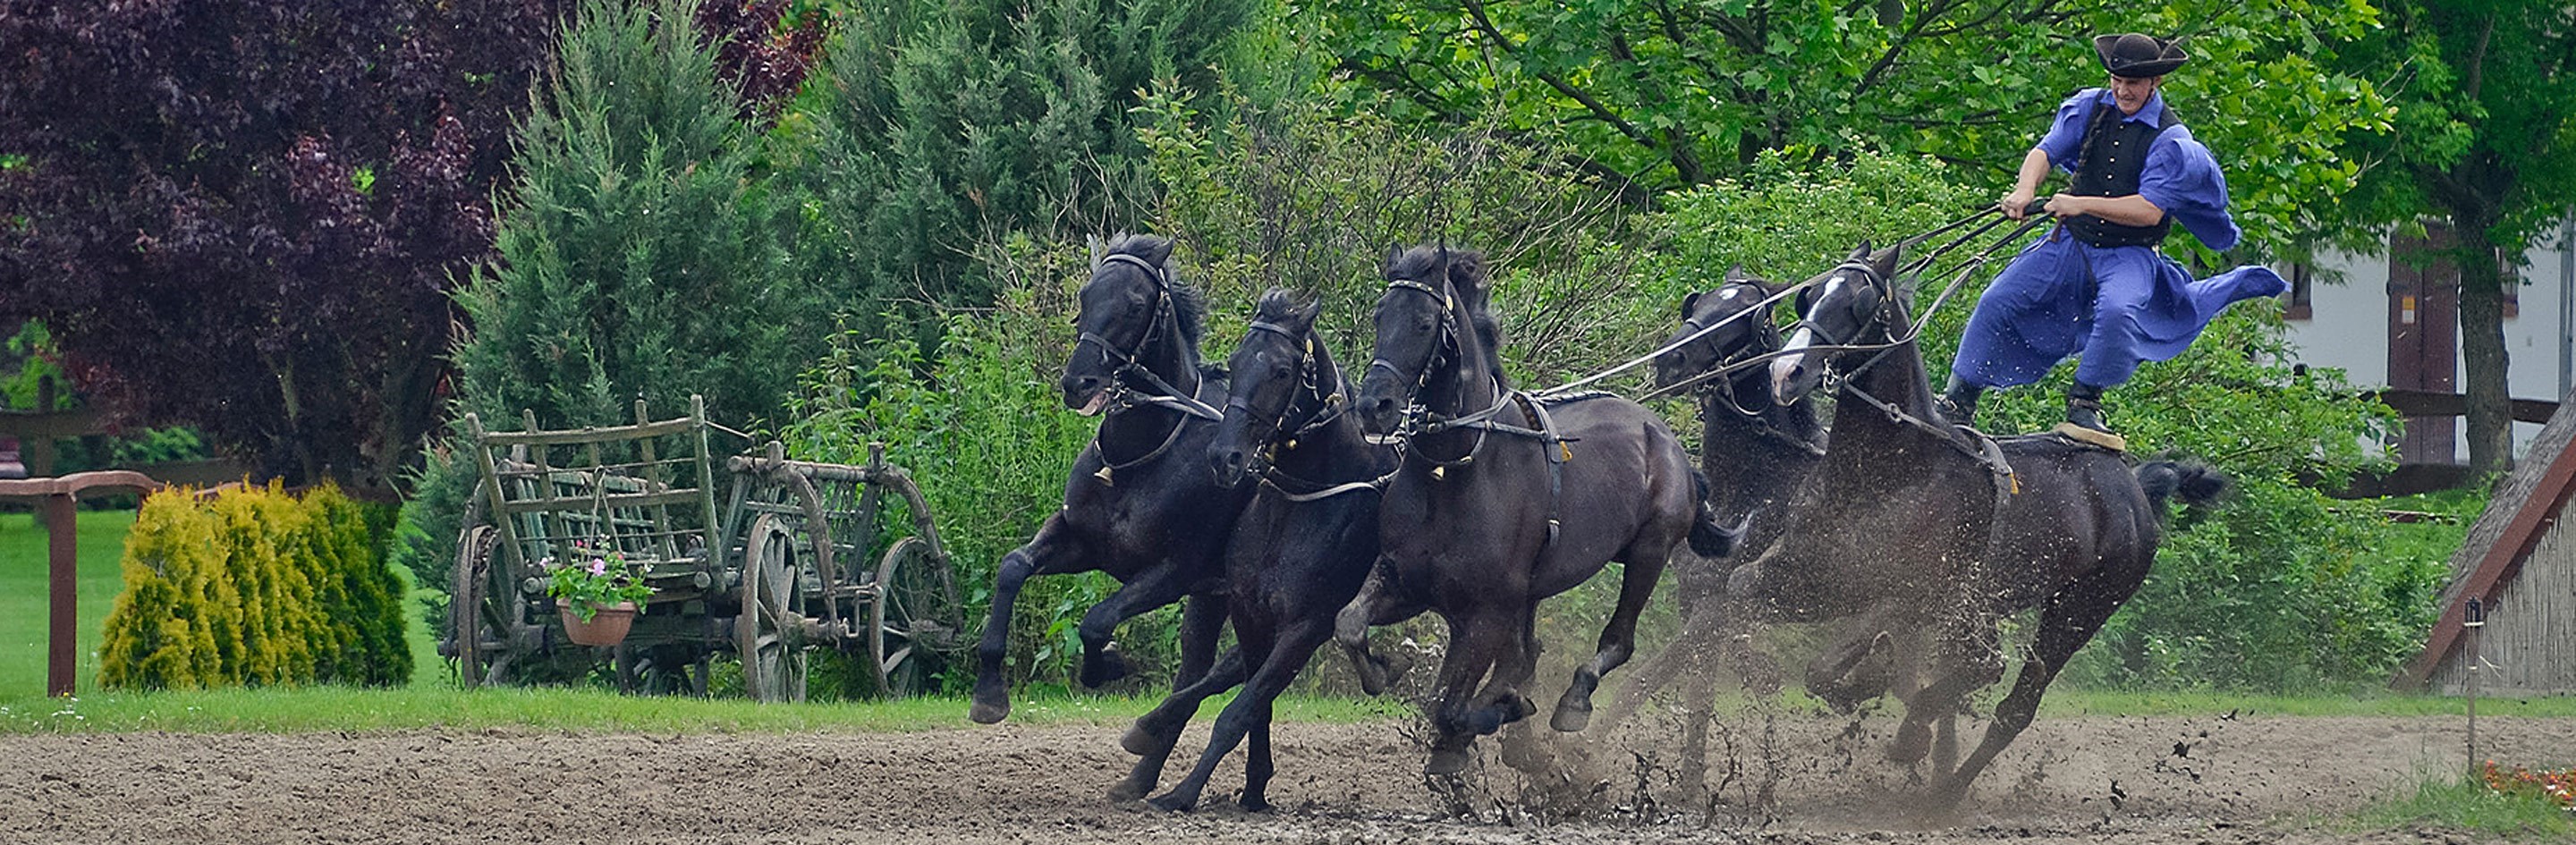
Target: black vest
[{"x": 2113, "y": 154}]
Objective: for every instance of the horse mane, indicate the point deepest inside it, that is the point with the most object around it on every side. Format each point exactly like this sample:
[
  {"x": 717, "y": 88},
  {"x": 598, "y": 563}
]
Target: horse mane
[
  {"x": 1468, "y": 280},
  {"x": 1277, "y": 306},
  {"x": 1189, "y": 305}
]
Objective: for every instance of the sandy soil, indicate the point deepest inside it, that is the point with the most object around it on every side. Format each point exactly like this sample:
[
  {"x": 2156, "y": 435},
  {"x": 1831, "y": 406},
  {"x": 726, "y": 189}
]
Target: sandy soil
[{"x": 2243, "y": 779}]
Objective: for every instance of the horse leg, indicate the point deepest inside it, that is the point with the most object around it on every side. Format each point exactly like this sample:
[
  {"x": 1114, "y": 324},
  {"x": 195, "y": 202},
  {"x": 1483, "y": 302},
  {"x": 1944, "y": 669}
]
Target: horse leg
[
  {"x": 1501, "y": 702},
  {"x": 1249, "y": 714},
  {"x": 1968, "y": 657},
  {"x": 1618, "y": 639},
  {"x": 1158, "y": 585},
  {"x": 1257, "y": 772},
  {"x": 1376, "y": 603},
  {"x": 2066, "y": 623},
  {"x": 1474, "y": 644},
  {"x": 1152, "y": 736},
  {"x": 992, "y": 699},
  {"x": 1202, "y": 620},
  {"x": 1687, "y": 653}
]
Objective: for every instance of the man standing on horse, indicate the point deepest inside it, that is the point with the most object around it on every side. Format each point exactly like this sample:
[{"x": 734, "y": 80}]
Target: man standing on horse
[{"x": 2097, "y": 285}]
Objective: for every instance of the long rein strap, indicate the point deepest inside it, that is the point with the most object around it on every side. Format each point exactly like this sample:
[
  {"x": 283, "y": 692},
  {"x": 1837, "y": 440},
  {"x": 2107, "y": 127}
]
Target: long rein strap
[{"x": 1765, "y": 304}]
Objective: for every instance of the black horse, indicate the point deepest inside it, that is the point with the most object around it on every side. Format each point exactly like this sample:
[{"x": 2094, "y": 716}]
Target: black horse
[
  {"x": 1940, "y": 532},
  {"x": 1138, "y": 506},
  {"x": 1298, "y": 555},
  {"x": 1502, "y": 500},
  {"x": 1754, "y": 451}
]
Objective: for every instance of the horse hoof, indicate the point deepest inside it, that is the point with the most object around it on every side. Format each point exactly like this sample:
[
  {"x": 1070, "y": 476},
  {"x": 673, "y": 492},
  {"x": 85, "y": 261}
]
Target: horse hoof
[
  {"x": 1910, "y": 744},
  {"x": 1572, "y": 716},
  {"x": 1104, "y": 670},
  {"x": 1253, "y": 803},
  {"x": 1128, "y": 790},
  {"x": 1173, "y": 801},
  {"x": 989, "y": 713},
  {"x": 1446, "y": 762},
  {"x": 1373, "y": 672},
  {"x": 1140, "y": 741}
]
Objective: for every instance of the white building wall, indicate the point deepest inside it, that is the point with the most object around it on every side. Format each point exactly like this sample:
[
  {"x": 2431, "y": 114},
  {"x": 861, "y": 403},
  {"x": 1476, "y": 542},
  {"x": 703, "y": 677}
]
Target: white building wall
[{"x": 2348, "y": 328}]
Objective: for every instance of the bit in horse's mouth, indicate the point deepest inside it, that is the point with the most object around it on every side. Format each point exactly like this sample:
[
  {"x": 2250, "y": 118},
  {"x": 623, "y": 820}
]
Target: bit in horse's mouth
[{"x": 1092, "y": 408}]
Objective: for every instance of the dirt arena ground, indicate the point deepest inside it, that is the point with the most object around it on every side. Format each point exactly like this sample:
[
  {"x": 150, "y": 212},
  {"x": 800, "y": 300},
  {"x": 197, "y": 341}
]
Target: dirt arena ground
[{"x": 2246, "y": 778}]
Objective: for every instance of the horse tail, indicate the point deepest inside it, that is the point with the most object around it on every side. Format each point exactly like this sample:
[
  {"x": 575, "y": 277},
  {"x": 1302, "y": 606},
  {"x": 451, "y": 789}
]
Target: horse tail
[
  {"x": 1710, "y": 538},
  {"x": 2197, "y": 485}
]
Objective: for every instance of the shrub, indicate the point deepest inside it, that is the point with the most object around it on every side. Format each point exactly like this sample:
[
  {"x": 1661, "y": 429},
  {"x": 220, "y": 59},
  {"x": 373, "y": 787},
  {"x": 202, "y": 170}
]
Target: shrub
[{"x": 254, "y": 587}]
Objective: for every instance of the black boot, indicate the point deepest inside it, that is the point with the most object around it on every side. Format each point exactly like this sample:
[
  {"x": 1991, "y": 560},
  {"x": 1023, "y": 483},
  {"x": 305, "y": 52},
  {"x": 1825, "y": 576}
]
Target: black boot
[
  {"x": 1959, "y": 402},
  {"x": 2084, "y": 407}
]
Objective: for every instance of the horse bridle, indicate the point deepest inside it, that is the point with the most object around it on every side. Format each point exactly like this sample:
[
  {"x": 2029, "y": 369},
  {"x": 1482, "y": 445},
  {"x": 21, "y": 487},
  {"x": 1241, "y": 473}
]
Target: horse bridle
[
  {"x": 1309, "y": 385},
  {"x": 1127, "y": 369},
  {"x": 1443, "y": 348},
  {"x": 1721, "y": 391}
]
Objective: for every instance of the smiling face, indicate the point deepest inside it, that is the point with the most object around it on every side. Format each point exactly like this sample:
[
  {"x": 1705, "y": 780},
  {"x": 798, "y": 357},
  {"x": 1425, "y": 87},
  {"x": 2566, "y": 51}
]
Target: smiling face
[
  {"x": 1117, "y": 318},
  {"x": 2133, "y": 93},
  {"x": 1726, "y": 335}
]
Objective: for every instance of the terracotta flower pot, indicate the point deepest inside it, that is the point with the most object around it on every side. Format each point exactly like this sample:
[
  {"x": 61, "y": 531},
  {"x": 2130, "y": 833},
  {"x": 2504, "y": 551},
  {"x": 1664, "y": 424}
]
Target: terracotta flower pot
[{"x": 607, "y": 625}]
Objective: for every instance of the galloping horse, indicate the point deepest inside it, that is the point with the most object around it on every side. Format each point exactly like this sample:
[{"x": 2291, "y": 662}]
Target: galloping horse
[
  {"x": 1138, "y": 505},
  {"x": 1502, "y": 500},
  {"x": 1940, "y": 531},
  {"x": 1754, "y": 451},
  {"x": 1298, "y": 555}
]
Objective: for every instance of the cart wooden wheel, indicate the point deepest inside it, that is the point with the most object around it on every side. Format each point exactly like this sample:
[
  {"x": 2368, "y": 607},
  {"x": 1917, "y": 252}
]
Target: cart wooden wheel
[
  {"x": 469, "y": 623},
  {"x": 915, "y": 619},
  {"x": 773, "y": 661}
]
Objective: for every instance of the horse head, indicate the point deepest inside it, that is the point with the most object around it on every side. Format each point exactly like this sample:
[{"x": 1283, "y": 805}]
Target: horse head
[
  {"x": 1851, "y": 305},
  {"x": 1135, "y": 319},
  {"x": 1434, "y": 335},
  {"x": 1719, "y": 330},
  {"x": 1283, "y": 384}
]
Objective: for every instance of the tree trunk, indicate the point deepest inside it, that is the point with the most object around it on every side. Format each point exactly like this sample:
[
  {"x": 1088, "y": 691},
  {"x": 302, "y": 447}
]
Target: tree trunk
[{"x": 2482, "y": 350}]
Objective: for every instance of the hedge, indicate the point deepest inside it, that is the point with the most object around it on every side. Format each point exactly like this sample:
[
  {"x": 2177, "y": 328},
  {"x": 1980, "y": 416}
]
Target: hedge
[{"x": 254, "y": 587}]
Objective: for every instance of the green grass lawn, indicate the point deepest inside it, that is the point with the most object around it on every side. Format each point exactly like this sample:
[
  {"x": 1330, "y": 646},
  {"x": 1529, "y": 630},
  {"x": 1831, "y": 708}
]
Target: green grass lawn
[{"x": 23, "y": 615}]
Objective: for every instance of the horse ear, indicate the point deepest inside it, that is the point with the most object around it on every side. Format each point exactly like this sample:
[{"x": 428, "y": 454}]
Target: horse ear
[
  {"x": 1862, "y": 252},
  {"x": 1099, "y": 251},
  {"x": 1689, "y": 299},
  {"x": 1736, "y": 273},
  {"x": 1306, "y": 316},
  {"x": 1393, "y": 252},
  {"x": 1884, "y": 261},
  {"x": 1158, "y": 252}
]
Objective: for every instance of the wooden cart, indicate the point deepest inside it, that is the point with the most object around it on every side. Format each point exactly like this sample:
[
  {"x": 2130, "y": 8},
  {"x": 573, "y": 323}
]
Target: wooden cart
[{"x": 797, "y": 557}]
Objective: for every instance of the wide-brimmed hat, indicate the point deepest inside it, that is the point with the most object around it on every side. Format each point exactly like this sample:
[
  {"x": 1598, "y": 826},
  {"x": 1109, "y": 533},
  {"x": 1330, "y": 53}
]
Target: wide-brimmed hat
[{"x": 2138, "y": 55}]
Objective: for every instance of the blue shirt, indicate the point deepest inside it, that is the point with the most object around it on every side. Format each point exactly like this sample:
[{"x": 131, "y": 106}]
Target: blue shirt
[{"x": 2180, "y": 176}]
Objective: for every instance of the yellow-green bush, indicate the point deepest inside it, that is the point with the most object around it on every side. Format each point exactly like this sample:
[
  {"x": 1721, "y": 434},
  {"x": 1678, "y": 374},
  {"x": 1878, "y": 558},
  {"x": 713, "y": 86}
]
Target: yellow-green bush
[{"x": 253, "y": 587}]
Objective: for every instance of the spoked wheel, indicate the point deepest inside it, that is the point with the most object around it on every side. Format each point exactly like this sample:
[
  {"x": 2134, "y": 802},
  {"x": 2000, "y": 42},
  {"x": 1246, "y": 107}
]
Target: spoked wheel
[
  {"x": 916, "y": 618},
  {"x": 470, "y": 625},
  {"x": 773, "y": 661}
]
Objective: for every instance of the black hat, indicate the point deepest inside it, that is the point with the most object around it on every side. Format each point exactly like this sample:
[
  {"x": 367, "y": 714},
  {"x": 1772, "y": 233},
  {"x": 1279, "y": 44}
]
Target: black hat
[{"x": 2138, "y": 56}]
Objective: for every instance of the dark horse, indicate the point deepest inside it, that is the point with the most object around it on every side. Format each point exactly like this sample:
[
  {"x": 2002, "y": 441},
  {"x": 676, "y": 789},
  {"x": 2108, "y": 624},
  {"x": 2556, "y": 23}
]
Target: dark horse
[
  {"x": 1298, "y": 555},
  {"x": 1138, "y": 505},
  {"x": 1754, "y": 451},
  {"x": 1502, "y": 500},
  {"x": 1939, "y": 532}
]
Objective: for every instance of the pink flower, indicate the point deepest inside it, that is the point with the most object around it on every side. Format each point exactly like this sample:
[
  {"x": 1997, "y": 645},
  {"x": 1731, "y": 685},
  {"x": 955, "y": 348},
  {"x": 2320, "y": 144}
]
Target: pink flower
[{"x": 598, "y": 566}]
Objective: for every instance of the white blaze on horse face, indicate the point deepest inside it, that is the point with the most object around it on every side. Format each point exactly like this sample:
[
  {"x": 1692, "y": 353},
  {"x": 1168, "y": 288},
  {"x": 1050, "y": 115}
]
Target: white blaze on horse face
[{"x": 1794, "y": 356}]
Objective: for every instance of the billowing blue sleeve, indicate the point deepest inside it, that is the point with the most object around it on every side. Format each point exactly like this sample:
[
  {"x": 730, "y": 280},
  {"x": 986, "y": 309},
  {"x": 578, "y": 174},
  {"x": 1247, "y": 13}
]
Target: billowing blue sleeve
[
  {"x": 2067, "y": 131},
  {"x": 2183, "y": 179}
]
